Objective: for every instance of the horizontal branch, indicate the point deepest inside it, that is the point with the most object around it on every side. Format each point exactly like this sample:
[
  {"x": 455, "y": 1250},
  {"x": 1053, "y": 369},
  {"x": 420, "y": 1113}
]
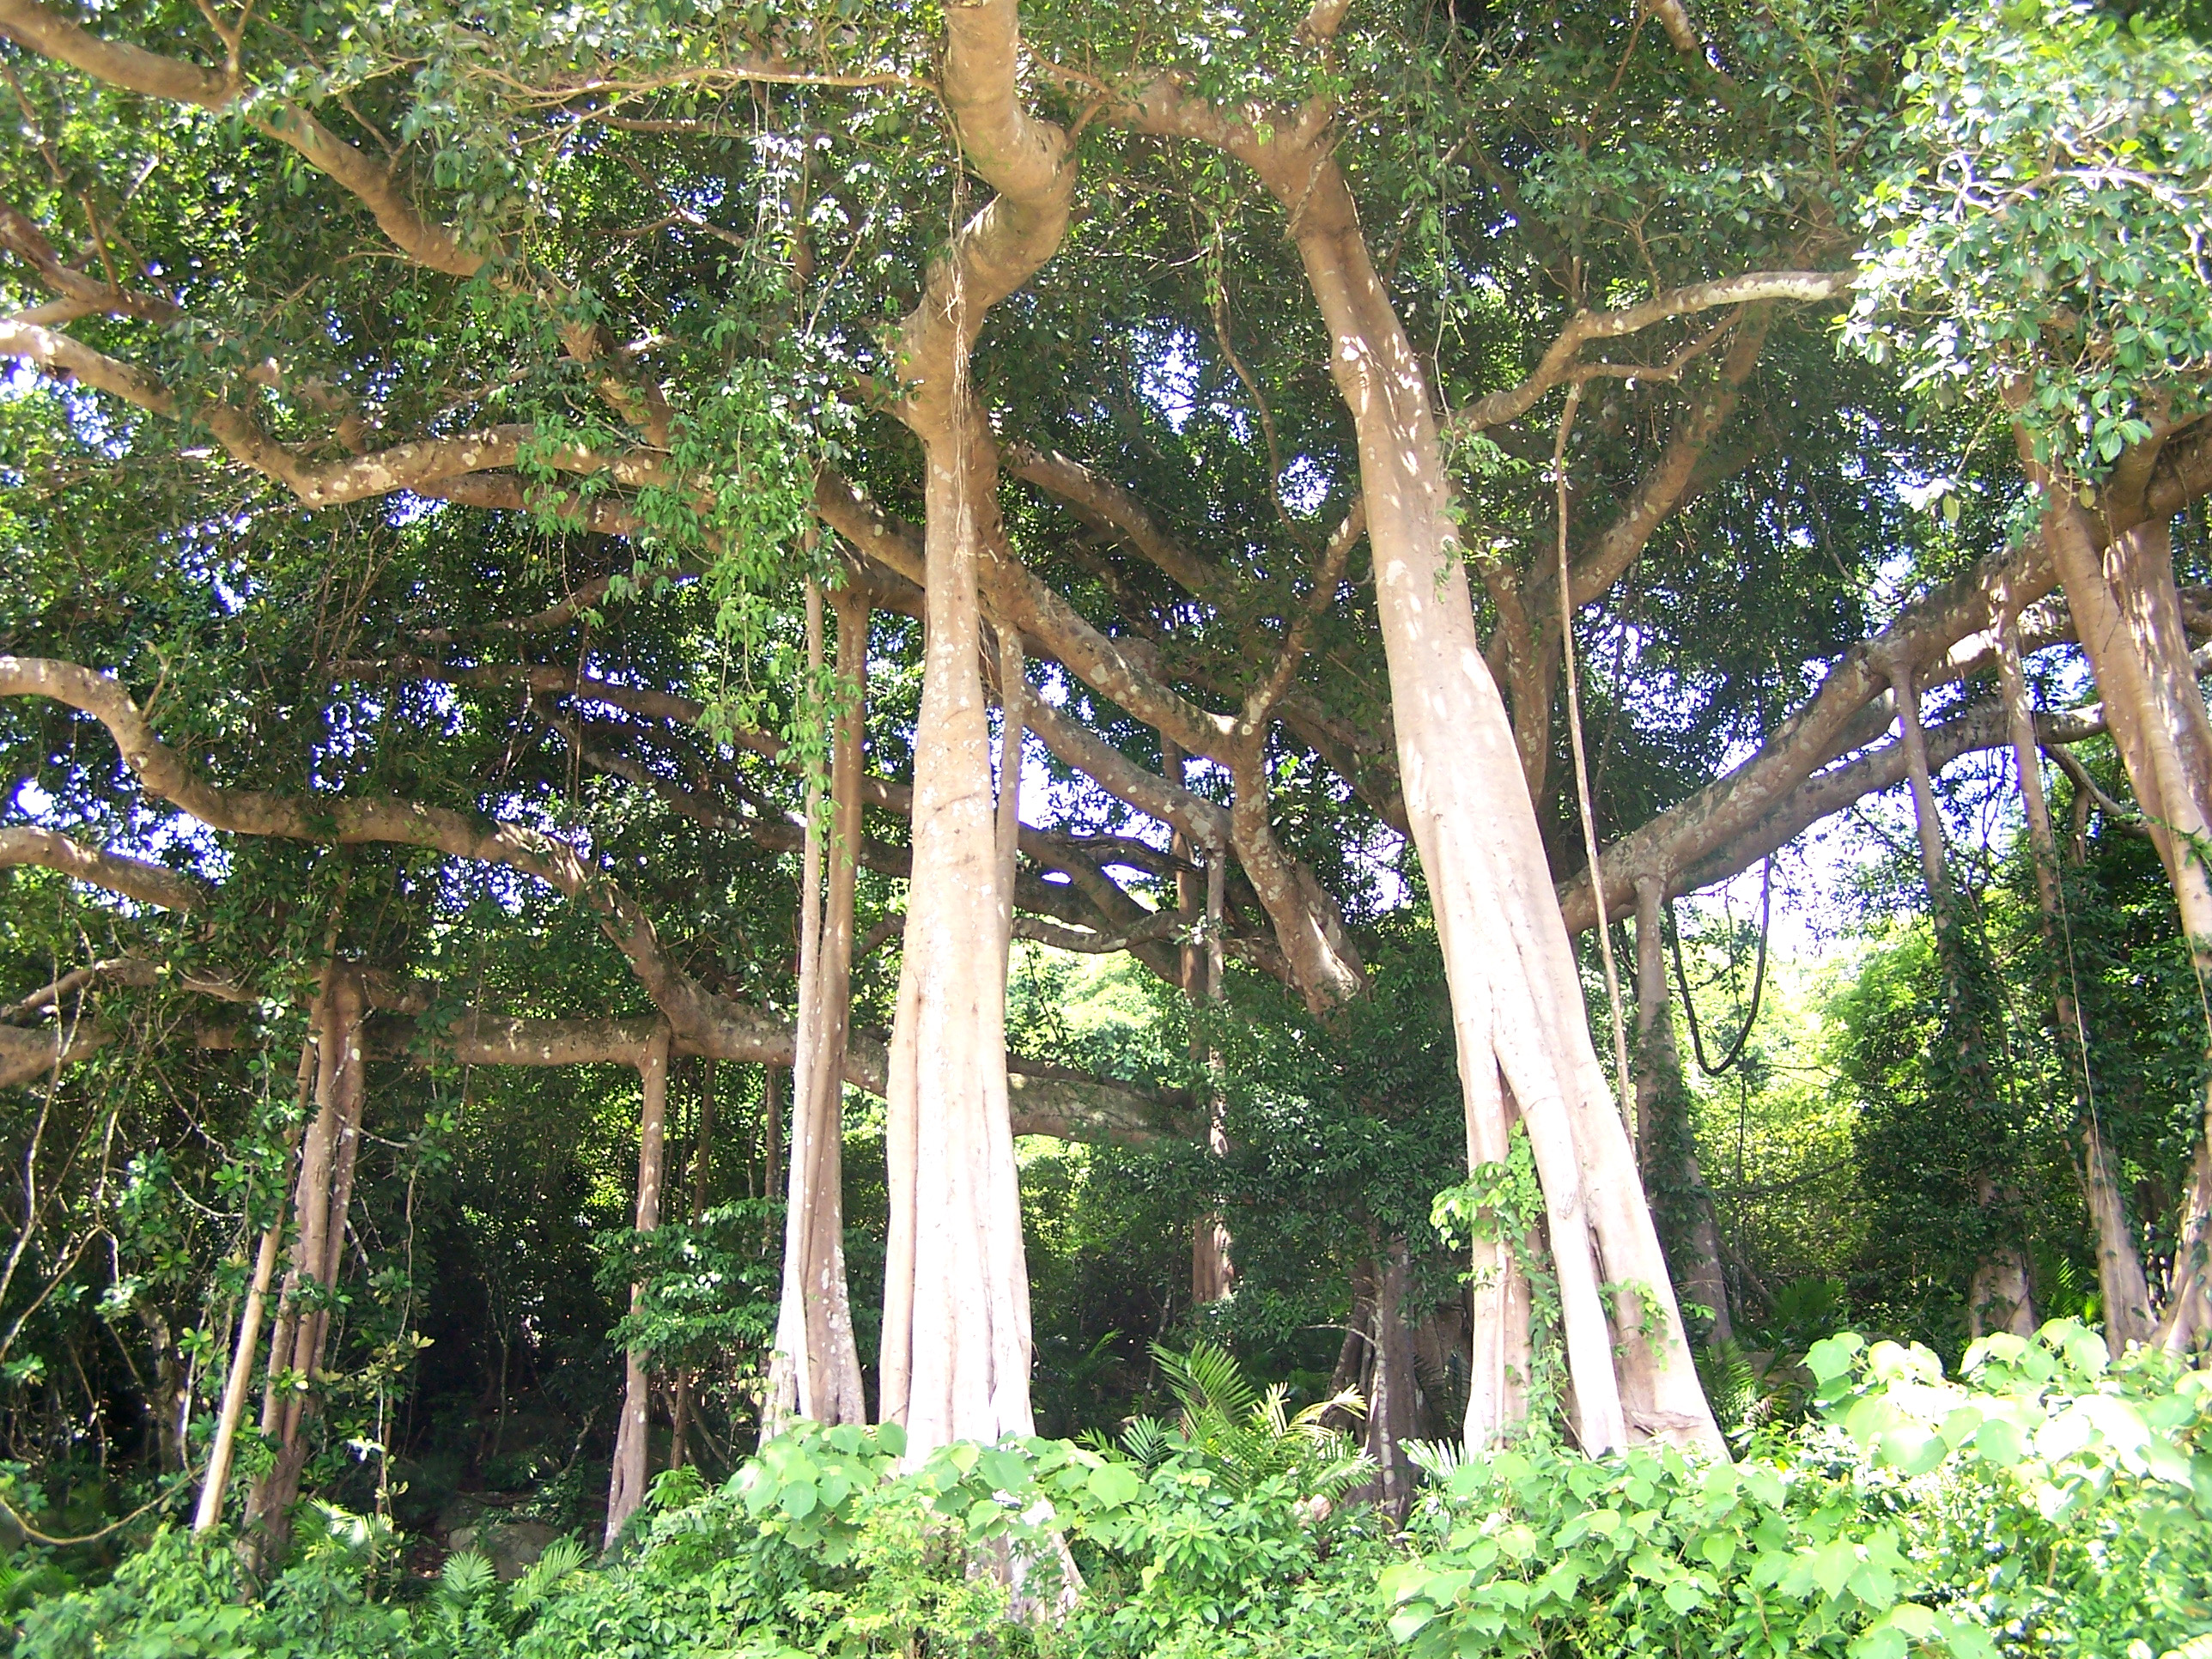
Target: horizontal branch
[
  {"x": 150, "y": 883},
  {"x": 1560, "y": 361},
  {"x": 340, "y": 821},
  {"x": 1734, "y": 805}
]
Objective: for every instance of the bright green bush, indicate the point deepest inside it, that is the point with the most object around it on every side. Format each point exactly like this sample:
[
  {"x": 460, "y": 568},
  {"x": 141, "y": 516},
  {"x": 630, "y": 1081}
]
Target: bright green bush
[
  {"x": 186, "y": 1598},
  {"x": 2048, "y": 1502},
  {"x": 2051, "y": 1501}
]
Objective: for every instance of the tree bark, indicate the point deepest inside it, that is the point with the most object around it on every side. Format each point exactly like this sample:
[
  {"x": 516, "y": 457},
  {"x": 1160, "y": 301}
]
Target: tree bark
[
  {"x": 319, "y": 1207},
  {"x": 772, "y": 1165},
  {"x": 2127, "y": 615},
  {"x": 1213, "y": 1271},
  {"x": 626, "y": 1489},
  {"x": 679, "y": 1414},
  {"x": 1999, "y": 1295},
  {"x": 816, "y": 1372},
  {"x": 222, "y": 1450},
  {"x": 1524, "y": 1033},
  {"x": 956, "y": 1354},
  {"x": 1392, "y": 1385},
  {"x": 2121, "y": 1285},
  {"x": 1681, "y": 1204}
]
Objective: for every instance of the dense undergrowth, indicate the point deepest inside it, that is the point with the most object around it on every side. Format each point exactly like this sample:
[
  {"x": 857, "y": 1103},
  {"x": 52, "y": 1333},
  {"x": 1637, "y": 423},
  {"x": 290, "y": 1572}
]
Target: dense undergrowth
[{"x": 2048, "y": 1502}]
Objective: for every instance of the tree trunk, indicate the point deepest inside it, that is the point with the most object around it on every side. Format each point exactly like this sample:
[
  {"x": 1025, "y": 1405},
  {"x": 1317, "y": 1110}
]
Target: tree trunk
[
  {"x": 1517, "y": 1009},
  {"x": 954, "y": 1358},
  {"x": 1683, "y": 1209},
  {"x": 679, "y": 1414},
  {"x": 1999, "y": 1295},
  {"x": 1392, "y": 1388},
  {"x": 2121, "y": 1285},
  {"x": 222, "y": 1450},
  {"x": 772, "y": 1172},
  {"x": 956, "y": 1354},
  {"x": 626, "y": 1490},
  {"x": 816, "y": 1372},
  {"x": 1212, "y": 1270},
  {"x": 320, "y": 1198},
  {"x": 1392, "y": 1385},
  {"x": 2127, "y": 615},
  {"x": 1210, "y": 1267}
]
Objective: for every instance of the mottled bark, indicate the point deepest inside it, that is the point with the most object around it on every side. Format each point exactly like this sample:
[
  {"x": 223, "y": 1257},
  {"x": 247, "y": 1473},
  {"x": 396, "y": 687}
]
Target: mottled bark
[
  {"x": 1523, "y": 1036},
  {"x": 222, "y": 1449},
  {"x": 2123, "y": 1288},
  {"x": 626, "y": 1487},
  {"x": 2127, "y": 613},
  {"x": 956, "y": 1347},
  {"x": 816, "y": 1372},
  {"x": 319, "y": 1207},
  {"x": 1213, "y": 1271}
]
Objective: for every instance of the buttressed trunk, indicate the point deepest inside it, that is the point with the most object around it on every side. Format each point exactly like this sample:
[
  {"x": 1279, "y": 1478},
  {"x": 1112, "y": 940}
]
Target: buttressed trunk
[
  {"x": 817, "y": 1370},
  {"x": 1524, "y": 1044},
  {"x": 320, "y": 1200},
  {"x": 956, "y": 1346},
  {"x": 626, "y": 1489},
  {"x": 2127, "y": 614}
]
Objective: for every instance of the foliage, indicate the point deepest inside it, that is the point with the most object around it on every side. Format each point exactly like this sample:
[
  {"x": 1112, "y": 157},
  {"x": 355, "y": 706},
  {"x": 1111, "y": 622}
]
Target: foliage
[
  {"x": 2045, "y": 241},
  {"x": 2048, "y": 1501}
]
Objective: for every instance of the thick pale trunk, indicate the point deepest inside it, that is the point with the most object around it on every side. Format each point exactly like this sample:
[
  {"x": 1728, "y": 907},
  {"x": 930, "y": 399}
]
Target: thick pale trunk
[
  {"x": 626, "y": 1489},
  {"x": 1688, "y": 1230},
  {"x": 816, "y": 1371},
  {"x": 320, "y": 1198},
  {"x": 1523, "y": 1035},
  {"x": 1998, "y": 1294},
  {"x": 2122, "y": 1287},
  {"x": 956, "y": 1349},
  {"x": 955, "y": 1360},
  {"x": 2127, "y": 614},
  {"x": 222, "y": 1449}
]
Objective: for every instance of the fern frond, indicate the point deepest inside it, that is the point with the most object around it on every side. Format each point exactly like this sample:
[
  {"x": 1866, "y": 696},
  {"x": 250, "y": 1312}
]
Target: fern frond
[
  {"x": 561, "y": 1558},
  {"x": 1434, "y": 1458},
  {"x": 467, "y": 1576}
]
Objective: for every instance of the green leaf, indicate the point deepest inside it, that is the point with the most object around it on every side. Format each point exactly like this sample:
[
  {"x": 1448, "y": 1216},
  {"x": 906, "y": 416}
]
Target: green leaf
[{"x": 1114, "y": 1485}]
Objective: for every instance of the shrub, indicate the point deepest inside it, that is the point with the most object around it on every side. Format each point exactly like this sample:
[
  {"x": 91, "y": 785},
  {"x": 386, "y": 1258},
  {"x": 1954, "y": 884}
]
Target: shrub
[{"x": 2050, "y": 1502}]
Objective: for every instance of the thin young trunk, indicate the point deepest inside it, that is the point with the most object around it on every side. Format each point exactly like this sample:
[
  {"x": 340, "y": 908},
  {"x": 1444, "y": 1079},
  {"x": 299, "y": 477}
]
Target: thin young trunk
[
  {"x": 2121, "y": 1285},
  {"x": 1517, "y": 1009},
  {"x": 1682, "y": 1207},
  {"x": 627, "y": 1488},
  {"x": 1210, "y": 1267},
  {"x": 772, "y": 1171},
  {"x": 222, "y": 1450},
  {"x": 956, "y": 1349},
  {"x": 679, "y": 1414},
  {"x": 1212, "y": 1272},
  {"x": 296, "y": 1353},
  {"x": 816, "y": 1371},
  {"x": 1999, "y": 1296},
  {"x": 2127, "y": 614}
]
